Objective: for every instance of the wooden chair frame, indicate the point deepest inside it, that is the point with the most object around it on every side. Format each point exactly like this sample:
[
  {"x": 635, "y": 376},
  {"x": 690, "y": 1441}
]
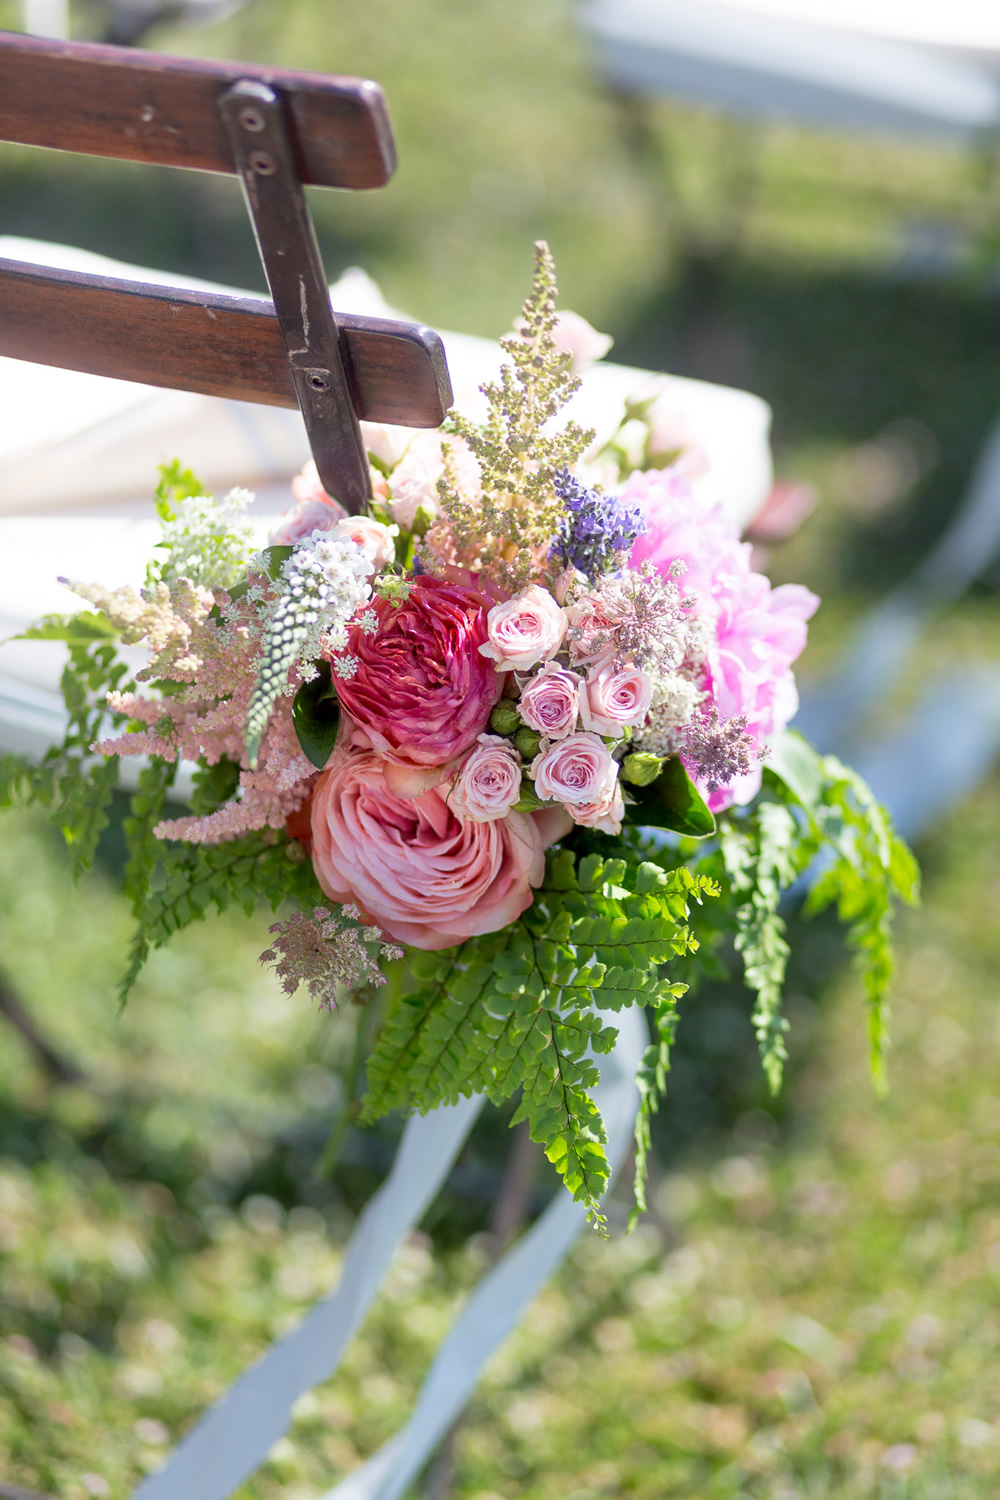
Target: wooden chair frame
[{"x": 276, "y": 130}]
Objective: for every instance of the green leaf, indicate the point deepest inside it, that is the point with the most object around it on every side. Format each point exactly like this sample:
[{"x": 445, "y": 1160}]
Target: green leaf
[
  {"x": 671, "y": 801},
  {"x": 175, "y": 484},
  {"x": 794, "y": 761},
  {"x": 88, "y": 625},
  {"x": 316, "y": 716}
]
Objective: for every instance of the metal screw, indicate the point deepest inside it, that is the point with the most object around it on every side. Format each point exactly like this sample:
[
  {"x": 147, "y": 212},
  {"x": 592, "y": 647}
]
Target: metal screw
[
  {"x": 252, "y": 119},
  {"x": 263, "y": 163},
  {"x": 319, "y": 382}
]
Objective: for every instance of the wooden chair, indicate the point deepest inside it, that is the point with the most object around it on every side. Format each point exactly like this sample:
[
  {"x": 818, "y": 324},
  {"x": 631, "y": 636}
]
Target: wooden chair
[{"x": 276, "y": 130}]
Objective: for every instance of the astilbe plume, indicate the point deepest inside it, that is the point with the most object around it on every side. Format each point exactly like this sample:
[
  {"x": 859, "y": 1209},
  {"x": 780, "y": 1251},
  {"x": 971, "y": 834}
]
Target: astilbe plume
[
  {"x": 327, "y": 953},
  {"x": 508, "y": 528}
]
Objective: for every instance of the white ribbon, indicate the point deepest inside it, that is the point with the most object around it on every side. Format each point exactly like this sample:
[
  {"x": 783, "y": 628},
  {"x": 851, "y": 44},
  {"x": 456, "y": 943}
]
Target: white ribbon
[
  {"x": 234, "y": 1438},
  {"x": 237, "y": 1434}
]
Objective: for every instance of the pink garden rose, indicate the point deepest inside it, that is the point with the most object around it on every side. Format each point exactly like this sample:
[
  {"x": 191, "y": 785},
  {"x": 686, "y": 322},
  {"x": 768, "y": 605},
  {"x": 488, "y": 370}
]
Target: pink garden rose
[
  {"x": 550, "y": 702},
  {"x": 524, "y": 630},
  {"x": 605, "y": 815},
  {"x": 575, "y": 771},
  {"x": 422, "y": 874},
  {"x": 615, "y": 698},
  {"x": 422, "y": 692},
  {"x": 489, "y": 782}
]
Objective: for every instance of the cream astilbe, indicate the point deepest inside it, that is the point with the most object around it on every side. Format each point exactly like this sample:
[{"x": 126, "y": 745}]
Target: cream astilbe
[
  {"x": 506, "y": 530},
  {"x": 172, "y": 620}
]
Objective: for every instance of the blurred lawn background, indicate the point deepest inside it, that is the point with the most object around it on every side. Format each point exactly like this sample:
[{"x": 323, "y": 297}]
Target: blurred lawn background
[{"x": 811, "y": 1309}]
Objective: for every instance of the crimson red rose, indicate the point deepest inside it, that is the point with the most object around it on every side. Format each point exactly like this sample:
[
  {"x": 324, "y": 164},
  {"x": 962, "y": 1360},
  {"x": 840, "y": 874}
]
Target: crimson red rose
[{"x": 422, "y": 692}]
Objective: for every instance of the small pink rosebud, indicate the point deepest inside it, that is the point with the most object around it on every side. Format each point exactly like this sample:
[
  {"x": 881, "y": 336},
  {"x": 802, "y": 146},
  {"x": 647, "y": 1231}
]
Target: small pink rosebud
[
  {"x": 575, "y": 771},
  {"x": 550, "y": 702},
  {"x": 615, "y": 699},
  {"x": 524, "y": 630},
  {"x": 489, "y": 782}
]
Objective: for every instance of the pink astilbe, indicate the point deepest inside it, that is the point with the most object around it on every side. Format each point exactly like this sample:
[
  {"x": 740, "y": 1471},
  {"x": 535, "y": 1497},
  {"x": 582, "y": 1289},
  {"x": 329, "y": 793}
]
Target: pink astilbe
[
  {"x": 216, "y": 661},
  {"x": 327, "y": 953}
]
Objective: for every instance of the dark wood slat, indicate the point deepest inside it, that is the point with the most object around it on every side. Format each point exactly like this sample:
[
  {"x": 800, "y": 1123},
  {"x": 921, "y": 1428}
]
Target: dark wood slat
[
  {"x": 143, "y": 106},
  {"x": 209, "y": 343}
]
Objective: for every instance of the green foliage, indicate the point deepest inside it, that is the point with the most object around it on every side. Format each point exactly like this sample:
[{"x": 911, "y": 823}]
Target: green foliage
[
  {"x": 176, "y": 484},
  {"x": 75, "y": 785},
  {"x": 670, "y": 801},
  {"x": 189, "y": 879},
  {"x": 763, "y": 856},
  {"x": 521, "y": 1009},
  {"x": 316, "y": 716},
  {"x": 815, "y": 814}
]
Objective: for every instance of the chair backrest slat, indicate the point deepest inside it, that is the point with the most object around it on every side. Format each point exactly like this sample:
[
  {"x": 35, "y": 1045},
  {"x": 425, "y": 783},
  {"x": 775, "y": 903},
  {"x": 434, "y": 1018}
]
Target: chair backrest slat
[
  {"x": 142, "y": 106},
  {"x": 209, "y": 343}
]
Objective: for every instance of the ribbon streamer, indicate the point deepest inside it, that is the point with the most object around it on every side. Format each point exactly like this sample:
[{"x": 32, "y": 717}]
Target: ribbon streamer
[{"x": 236, "y": 1435}]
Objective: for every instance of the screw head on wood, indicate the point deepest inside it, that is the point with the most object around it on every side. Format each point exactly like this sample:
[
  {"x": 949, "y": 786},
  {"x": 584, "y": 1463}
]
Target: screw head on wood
[
  {"x": 252, "y": 119},
  {"x": 319, "y": 382},
  {"x": 263, "y": 163}
]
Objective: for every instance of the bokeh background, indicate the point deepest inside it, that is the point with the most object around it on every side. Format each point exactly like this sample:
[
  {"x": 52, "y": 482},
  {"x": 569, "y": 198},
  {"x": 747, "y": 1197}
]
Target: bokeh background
[{"x": 810, "y": 1308}]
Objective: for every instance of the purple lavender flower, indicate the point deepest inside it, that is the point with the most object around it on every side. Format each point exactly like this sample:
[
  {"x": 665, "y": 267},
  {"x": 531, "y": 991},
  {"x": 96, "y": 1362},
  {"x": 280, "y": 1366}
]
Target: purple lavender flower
[{"x": 598, "y": 530}]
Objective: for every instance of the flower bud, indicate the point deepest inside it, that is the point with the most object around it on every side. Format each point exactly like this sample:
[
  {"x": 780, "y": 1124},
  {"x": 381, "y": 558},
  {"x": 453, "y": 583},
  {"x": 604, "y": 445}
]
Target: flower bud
[
  {"x": 505, "y": 718},
  {"x": 527, "y": 741},
  {"x": 641, "y": 769}
]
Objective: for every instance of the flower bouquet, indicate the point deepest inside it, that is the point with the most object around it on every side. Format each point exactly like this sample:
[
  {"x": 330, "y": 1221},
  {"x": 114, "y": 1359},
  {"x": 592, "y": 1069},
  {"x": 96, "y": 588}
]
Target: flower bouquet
[{"x": 514, "y": 740}]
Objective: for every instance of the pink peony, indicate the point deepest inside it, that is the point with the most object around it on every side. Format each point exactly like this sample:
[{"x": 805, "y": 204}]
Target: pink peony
[
  {"x": 614, "y": 699},
  {"x": 577, "y": 770},
  {"x": 489, "y": 782},
  {"x": 758, "y": 631},
  {"x": 307, "y": 486},
  {"x": 425, "y": 876},
  {"x": 550, "y": 702},
  {"x": 377, "y": 539},
  {"x": 605, "y": 815},
  {"x": 422, "y": 692},
  {"x": 524, "y": 630}
]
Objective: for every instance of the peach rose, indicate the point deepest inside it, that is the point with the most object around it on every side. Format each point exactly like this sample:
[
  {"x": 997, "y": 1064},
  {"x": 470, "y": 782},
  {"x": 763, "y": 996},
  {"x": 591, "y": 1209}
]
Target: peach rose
[
  {"x": 550, "y": 702},
  {"x": 424, "y": 875},
  {"x": 524, "y": 630},
  {"x": 489, "y": 782},
  {"x": 614, "y": 699},
  {"x": 301, "y": 520},
  {"x": 577, "y": 770},
  {"x": 378, "y": 540}
]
